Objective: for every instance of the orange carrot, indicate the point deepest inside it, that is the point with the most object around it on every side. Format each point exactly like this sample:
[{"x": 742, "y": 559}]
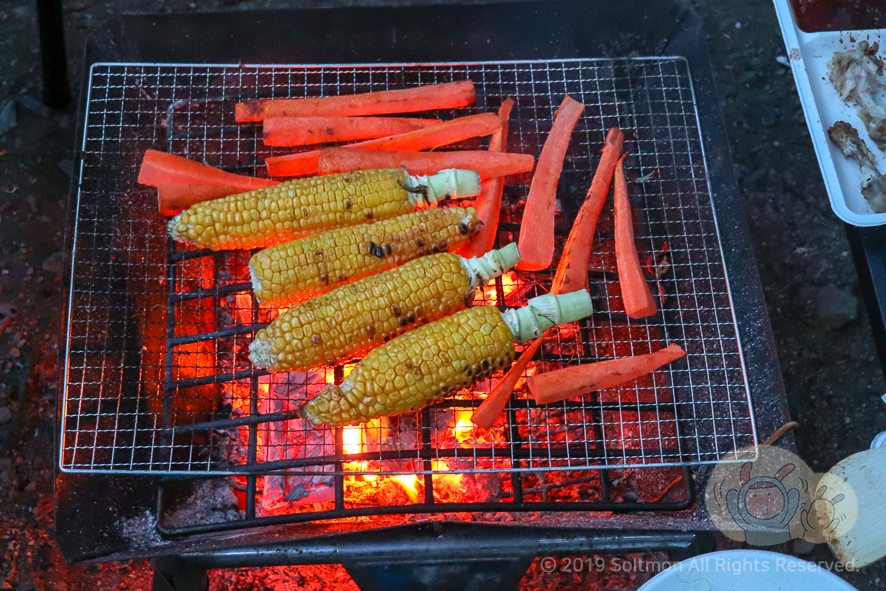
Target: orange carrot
[
  {"x": 305, "y": 131},
  {"x": 160, "y": 168},
  {"x": 536, "y": 242},
  {"x": 429, "y": 138},
  {"x": 407, "y": 100},
  {"x": 560, "y": 384},
  {"x": 572, "y": 272},
  {"x": 488, "y": 204},
  {"x": 635, "y": 293},
  {"x": 496, "y": 401},
  {"x": 488, "y": 164},
  {"x": 173, "y": 198}
]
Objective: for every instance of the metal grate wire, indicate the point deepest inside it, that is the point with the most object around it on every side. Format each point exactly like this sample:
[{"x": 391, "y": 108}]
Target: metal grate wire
[{"x": 156, "y": 376}]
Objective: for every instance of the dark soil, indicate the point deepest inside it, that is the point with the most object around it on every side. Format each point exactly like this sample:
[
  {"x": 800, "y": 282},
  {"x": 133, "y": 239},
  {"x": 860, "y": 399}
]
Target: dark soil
[{"x": 831, "y": 375}]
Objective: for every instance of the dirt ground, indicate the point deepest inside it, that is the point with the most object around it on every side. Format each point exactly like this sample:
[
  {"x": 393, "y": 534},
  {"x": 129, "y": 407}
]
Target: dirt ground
[{"x": 830, "y": 368}]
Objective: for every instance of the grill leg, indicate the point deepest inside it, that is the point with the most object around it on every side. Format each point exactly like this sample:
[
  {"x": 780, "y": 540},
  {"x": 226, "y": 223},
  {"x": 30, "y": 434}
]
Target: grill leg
[
  {"x": 56, "y": 89},
  {"x": 173, "y": 574},
  {"x": 868, "y": 247}
]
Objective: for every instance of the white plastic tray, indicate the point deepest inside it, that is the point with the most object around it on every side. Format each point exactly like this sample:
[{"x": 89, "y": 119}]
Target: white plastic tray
[
  {"x": 740, "y": 570},
  {"x": 809, "y": 54}
]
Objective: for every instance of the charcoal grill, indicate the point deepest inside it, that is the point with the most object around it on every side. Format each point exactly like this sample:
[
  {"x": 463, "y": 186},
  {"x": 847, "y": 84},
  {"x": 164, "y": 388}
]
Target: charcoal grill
[{"x": 129, "y": 285}]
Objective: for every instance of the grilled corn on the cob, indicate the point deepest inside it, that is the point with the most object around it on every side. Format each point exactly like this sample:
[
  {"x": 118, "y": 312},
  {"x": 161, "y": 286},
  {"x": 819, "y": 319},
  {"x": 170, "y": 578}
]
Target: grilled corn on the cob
[
  {"x": 349, "y": 321},
  {"x": 438, "y": 359},
  {"x": 272, "y": 215},
  {"x": 296, "y": 271}
]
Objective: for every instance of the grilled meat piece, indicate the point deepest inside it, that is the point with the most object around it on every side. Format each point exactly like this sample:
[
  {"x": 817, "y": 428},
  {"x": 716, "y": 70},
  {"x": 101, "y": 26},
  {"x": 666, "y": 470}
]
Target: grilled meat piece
[
  {"x": 873, "y": 184},
  {"x": 855, "y": 76}
]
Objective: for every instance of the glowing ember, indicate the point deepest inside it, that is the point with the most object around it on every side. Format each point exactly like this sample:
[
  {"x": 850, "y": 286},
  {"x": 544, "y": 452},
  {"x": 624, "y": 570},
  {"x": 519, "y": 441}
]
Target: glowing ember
[
  {"x": 509, "y": 283},
  {"x": 351, "y": 439},
  {"x": 410, "y": 484},
  {"x": 488, "y": 294},
  {"x": 243, "y": 304}
]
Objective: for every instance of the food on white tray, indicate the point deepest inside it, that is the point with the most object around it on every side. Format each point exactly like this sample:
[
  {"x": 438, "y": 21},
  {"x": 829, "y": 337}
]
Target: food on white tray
[
  {"x": 873, "y": 184},
  {"x": 854, "y": 74}
]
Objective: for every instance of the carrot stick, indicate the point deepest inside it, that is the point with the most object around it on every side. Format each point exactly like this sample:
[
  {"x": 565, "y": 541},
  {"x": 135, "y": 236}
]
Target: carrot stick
[
  {"x": 560, "y": 384},
  {"x": 635, "y": 293},
  {"x": 572, "y": 272},
  {"x": 407, "y": 100},
  {"x": 306, "y": 131},
  {"x": 173, "y": 198},
  {"x": 429, "y": 138},
  {"x": 160, "y": 168},
  {"x": 488, "y": 204},
  {"x": 488, "y": 164},
  {"x": 536, "y": 242},
  {"x": 495, "y": 402}
]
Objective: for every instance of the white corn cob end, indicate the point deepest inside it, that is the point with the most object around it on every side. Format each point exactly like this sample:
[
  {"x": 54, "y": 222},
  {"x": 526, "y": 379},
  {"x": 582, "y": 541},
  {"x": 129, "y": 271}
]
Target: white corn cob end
[
  {"x": 544, "y": 312},
  {"x": 483, "y": 269}
]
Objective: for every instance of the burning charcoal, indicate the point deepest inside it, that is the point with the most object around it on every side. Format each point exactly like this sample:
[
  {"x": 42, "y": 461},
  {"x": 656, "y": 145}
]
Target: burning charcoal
[{"x": 293, "y": 439}]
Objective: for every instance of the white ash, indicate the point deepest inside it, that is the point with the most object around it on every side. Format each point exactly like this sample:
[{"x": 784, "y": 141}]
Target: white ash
[
  {"x": 294, "y": 439},
  {"x": 213, "y": 501},
  {"x": 141, "y": 530}
]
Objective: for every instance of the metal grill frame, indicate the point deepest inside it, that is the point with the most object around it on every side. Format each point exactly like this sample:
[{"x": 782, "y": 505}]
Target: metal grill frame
[{"x": 589, "y": 461}]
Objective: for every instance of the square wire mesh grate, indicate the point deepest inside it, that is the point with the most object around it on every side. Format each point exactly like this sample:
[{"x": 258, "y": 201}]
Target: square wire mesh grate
[{"x": 141, "y": 309}]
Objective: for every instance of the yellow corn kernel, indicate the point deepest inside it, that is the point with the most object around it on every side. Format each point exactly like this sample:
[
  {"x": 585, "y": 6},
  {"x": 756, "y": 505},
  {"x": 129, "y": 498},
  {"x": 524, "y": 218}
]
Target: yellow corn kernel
[
  {"x": 272, "y": 215},
  {"x": 299, "y": 270},
  {"x": 434, "y": 361},
  {"x": 374, "y": 310}
]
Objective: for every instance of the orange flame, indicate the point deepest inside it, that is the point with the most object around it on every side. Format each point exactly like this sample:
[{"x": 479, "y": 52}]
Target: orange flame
[
  {"x": 464, "y": 428},
  {"x": 488, "y": 294},
  {"x": 509, "y": 283},
  {"x": 352, "y": 443}
]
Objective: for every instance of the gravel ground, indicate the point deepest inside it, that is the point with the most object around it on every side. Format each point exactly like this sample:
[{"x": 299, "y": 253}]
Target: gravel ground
[{"x": 824, "y": 342}]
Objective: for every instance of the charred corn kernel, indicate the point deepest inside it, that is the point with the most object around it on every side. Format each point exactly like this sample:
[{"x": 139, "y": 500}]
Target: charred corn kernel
[
  {"x": 272, "y": 215},
  {"x": 438, "y": 359},
  {"x": 350, "y": 320},
  {"x": 299, "y": 270}
]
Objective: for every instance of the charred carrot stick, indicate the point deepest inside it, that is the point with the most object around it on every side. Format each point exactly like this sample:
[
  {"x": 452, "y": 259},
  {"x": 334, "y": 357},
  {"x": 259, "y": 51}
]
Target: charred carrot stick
[
  {"x": 307, "y": 131},
  {"x": 537, "y": 231},
  {"x": 488, "y": 164},
  {"x": 560, "y": 384},
  {"x": 488, "y": 204},
  {"x": 429, "y": 138},
  {"x": 635, "y": 293},
  {"x": 160, "y": 168},
  {"x": 572, "y": 273},
  {"x": 173, "y": 198},
  {"x": 495, "y": 402},
  {"x": 406, "y": 100}
]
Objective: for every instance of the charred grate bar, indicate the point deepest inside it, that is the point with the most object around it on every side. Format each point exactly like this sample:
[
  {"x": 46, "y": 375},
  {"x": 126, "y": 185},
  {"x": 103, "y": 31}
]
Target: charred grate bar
[{"x": 156, "y": 376}]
